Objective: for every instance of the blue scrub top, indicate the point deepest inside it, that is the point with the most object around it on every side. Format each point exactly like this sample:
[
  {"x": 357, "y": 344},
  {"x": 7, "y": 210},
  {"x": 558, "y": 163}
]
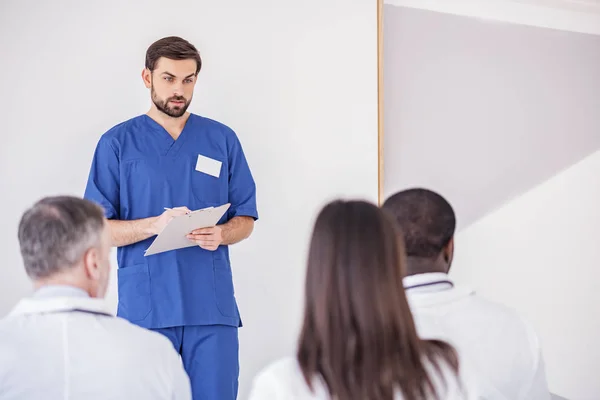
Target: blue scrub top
[{"x": 137, "y": 171}]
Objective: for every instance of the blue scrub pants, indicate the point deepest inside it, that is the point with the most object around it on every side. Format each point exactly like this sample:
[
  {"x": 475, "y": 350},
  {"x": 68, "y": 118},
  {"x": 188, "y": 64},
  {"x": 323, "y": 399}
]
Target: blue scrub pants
[{"x": 210, "y": 358}]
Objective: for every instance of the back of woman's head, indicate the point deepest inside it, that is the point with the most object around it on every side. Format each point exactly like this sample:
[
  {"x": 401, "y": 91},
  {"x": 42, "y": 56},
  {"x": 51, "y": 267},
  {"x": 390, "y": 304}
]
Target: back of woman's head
[{"x": 358, "y": 333}]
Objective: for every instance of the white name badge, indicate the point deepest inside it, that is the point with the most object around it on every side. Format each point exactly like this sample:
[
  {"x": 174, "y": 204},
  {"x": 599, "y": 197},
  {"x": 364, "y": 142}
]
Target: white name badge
[{"x": 208, "y": 166}]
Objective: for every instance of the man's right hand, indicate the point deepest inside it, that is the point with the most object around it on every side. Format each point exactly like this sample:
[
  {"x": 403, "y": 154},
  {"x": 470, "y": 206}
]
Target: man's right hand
[
  {"x": 159, "y": 223},
  {"x": 124, "y": 233}
]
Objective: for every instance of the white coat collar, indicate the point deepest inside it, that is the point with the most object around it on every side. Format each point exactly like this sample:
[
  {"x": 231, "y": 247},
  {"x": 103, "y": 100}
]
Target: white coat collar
[
  {"x": 431, "y": 289},
  {"x": 428, "y": 282},
  {"x": 59, "y": 291},
  {"x": 59, "y": 299}
]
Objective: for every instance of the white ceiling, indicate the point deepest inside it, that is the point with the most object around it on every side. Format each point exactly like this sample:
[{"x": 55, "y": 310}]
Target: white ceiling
[
  {"x": 574, "y": 5},
  {"x": 570, "y": 15},
  {"x": 500, "y": 94}
]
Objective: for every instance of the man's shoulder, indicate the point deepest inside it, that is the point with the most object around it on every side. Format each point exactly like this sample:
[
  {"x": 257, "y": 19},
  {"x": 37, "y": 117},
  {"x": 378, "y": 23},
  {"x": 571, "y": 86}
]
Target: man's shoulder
[
  {"x": 462, "y": 304},
  {"x": 139, "y": 335},
  {"x": 213, "y": 125},
  {"x": 209, "y": 122},
  {"x": 141, "y": 343},
  {"x": 122, "y": 130},
  {"x": 131, "y": 336},
  {"x": 495, "y": 309},
  {"x": 500, "y": 317}
]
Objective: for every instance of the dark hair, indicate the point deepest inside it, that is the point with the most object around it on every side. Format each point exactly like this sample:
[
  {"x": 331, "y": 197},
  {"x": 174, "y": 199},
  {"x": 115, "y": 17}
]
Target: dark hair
[
  {"x": 174, "y": 48},
  {"x": 56, "y": 232},
  {"x": 358, "y": 333},
  {"x": 426, "y": 219}
]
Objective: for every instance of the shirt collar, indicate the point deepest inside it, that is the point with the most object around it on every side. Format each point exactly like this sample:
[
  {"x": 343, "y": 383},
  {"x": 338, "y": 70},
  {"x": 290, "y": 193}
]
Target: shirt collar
[
  {"x": 52, "y": 299},
  {"x": 432, "y": 289},
  {"x": 59, "y": 291},
  {"x": 428, "y": 282}
]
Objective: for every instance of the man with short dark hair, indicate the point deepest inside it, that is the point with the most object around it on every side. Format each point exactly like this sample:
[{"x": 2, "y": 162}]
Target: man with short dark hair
[
  {"x": 159, "y": 165},
  {"x": 490, "y": 337},
  {"x": 62, "y": 342}
]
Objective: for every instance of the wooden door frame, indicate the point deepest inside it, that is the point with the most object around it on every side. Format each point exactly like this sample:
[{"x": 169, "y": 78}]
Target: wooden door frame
[{"x": 380, "y": 198}]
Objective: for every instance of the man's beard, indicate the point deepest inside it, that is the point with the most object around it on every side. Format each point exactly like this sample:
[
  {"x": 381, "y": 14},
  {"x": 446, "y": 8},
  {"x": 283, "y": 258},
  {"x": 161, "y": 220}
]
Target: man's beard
[{"x": 163, "y": 105}]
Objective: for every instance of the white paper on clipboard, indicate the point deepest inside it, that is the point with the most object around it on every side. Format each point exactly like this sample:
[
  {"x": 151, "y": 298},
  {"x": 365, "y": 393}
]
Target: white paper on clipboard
[{"x": 173, "y": 236}]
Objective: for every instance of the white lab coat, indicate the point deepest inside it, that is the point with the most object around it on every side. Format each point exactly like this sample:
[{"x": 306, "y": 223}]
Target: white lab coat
[
  {"x": 62, "y": 344},
  {"x": 283, "y": 380},
  {"x": 496, "y": 342}
]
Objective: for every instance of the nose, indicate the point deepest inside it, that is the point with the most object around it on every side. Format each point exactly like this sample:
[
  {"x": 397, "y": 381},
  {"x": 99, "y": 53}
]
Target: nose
[{"x": 177, "y": 89}]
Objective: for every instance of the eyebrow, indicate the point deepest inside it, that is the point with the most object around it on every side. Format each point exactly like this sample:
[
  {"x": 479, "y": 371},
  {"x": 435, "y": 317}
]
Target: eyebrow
[{"x": 173, "y": 76}]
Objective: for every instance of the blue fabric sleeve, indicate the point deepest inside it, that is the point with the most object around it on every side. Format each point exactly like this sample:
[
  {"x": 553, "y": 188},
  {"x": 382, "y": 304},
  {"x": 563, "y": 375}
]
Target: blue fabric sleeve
[
  {"x": 103, "y": 180},
  {"x": 242, "y": 188}
]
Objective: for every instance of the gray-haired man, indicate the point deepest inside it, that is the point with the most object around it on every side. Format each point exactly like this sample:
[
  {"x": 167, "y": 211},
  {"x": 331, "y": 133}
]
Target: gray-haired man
[{"x": 61, "y": 342}]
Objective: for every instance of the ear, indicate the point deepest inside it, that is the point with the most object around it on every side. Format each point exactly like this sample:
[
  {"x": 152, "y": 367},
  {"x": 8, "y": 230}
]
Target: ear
[
  {"x": 147, "y": 78},
  {"x": 91, "y": 264},
  {"x": 449, "y": 252}
]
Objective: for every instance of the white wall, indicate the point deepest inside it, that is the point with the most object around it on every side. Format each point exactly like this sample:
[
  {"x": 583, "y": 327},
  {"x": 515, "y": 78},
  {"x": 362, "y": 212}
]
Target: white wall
[
  {"x": 498, "y": 108},
  {"x": 539, "y": 254},
  {"x": 509, "y": 133},
  {"x": 297, "y": 80}
]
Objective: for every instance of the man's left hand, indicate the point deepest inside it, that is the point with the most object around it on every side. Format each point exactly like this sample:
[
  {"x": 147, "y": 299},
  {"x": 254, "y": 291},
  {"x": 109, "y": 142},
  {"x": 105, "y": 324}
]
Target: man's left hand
[{"x": 207, "y": 238}]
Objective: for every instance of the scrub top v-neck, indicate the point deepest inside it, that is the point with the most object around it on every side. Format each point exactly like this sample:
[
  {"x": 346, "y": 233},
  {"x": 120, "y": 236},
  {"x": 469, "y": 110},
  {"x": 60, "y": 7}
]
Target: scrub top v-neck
[
  {"x": 138, "y": 169},
  {"x": 171, "y": 145}
]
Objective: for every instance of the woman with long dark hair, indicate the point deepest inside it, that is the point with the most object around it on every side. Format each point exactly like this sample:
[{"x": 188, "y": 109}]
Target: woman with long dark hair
[{"x": 358, "y": 340}]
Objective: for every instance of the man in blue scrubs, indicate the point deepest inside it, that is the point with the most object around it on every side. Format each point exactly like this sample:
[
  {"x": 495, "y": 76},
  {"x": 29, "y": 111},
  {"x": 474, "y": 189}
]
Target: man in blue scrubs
[{"x": 170, "y": 158}]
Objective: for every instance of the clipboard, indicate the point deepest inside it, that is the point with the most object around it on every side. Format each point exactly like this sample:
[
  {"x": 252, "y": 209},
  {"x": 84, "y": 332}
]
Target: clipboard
[{"x": 173, "y": 236}]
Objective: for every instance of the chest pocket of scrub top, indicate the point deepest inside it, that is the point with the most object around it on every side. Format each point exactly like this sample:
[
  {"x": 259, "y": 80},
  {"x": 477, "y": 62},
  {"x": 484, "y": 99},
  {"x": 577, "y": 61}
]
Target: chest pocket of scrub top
[
  {"x": 206, "y": 187},
  {"x": 154, "y": 183}
]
